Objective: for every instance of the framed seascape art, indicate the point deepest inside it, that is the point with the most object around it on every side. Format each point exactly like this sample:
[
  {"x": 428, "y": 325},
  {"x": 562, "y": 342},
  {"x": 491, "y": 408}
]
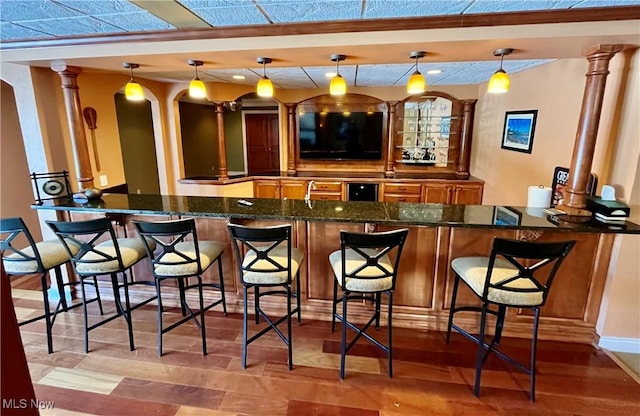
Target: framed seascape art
[
  {"x": 506, "y": 216},
  {"x": 519, "y": 127}
]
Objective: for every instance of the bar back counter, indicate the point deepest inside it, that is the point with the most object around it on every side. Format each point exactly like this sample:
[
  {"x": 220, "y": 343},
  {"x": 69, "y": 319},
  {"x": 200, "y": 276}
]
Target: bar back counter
[{"x": 437, "y": 234}]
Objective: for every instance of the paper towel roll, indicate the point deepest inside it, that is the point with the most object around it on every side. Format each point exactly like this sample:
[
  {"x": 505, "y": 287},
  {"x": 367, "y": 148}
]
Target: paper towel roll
[{"x": 539, "y": 196}]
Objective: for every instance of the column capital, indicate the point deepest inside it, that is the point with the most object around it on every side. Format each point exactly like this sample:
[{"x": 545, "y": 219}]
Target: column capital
[
  {"x": 603, "y": 49},
  {"x": 63, "y": 68}
]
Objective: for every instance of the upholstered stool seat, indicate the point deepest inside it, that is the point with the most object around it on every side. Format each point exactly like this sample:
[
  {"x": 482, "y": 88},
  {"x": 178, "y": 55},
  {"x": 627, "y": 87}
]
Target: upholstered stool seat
[
  {"x": 516, "y": 274},
  {"x": 39, "y": 258},
  {"x": 182, "y": 256},
  {"x": 364, "y": 270},
  {"x": 270, "y": 261},
  {"x": 102, "y": 253}
]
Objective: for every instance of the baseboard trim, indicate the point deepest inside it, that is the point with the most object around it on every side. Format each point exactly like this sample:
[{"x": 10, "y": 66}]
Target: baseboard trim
[{"x": 619, "y": 344}]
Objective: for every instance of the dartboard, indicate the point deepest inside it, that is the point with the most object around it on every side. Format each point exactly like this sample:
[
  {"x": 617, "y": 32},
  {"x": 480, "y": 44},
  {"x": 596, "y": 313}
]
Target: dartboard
[{"x": 53, "y": 187}]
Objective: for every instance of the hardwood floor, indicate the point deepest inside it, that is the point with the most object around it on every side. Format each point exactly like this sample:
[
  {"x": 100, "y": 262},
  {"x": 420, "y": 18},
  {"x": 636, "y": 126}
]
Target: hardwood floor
[{"x": 430, "y": 377}]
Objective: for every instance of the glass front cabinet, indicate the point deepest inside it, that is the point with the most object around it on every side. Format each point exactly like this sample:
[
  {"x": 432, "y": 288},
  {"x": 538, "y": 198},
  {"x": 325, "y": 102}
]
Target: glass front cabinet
[{"x": 432, "y": 132}]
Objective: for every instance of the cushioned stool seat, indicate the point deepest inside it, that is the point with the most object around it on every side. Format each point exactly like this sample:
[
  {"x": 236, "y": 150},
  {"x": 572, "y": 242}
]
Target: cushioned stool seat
[
  {"x": 270, "y": 261},
  {"x": 113, "y": 256},
  {"x": 516, "y": 274},
  {"x": 39, "y": 258},
  {"x": 182, "y": 256},
  {"x": 363, "y": 265}
]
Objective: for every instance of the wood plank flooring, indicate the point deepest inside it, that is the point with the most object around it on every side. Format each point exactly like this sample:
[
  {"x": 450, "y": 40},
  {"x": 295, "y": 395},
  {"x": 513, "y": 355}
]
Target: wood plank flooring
[{"x": 430, "y": 377}]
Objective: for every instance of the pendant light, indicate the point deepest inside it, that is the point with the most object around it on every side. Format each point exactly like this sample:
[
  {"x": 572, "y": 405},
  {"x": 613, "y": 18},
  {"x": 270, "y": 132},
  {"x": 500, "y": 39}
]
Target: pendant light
[
  {"x": 133, "y": 91},
  {"x": 499, "y": 82},
  {"x": 338, "y": 85},
  {"x": 265, "y": 86},
  {"x": 197, "y": 88},
  {"x": 416, "y": 83}
]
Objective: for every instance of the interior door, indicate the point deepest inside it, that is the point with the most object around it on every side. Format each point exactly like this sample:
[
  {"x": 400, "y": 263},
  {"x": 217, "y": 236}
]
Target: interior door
[{"x": 263, "y": 143}]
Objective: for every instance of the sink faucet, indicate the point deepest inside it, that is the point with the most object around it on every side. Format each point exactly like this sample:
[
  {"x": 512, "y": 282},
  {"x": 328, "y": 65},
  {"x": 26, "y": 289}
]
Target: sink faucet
[{"x": 311, "y": 185}]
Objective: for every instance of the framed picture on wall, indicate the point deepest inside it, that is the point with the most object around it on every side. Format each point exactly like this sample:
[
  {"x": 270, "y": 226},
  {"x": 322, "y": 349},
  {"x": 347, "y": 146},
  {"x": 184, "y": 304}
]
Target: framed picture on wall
[{"x": 518, "y": 131}]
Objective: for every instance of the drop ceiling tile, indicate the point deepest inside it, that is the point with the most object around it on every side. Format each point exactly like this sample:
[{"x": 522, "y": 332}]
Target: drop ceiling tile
[
  {"x": 283, "y": 11},
  {"x": 71, "y": 26},
  {"x": 203, "y": 4},
  {"x": 485, "y": 6},
  {"x": 374, "y": 75},
  {"x": 385, "y": 8},
  {"x": 20, "y": 10},
  {"x": 136, "y": 21},
  {"x": 231, "y": 16},
  {"x": 100, "y": 7},
  {"x": 605, "y": 3},
  {"x": 317, "y": 73},
  {"x": 13, "y": 31}
]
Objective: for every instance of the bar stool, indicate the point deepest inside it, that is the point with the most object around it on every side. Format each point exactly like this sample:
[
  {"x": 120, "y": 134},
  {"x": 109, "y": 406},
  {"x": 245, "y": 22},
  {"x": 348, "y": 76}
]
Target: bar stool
[
  {"x": 270, "y": 261},
  {"x": 363, "y": 265},
  {"x": 39, "y": 258},
  {"x": 180, "y": 257},
  {"x": 507, "y": 279},
  {"x": 100, "y": 252}
]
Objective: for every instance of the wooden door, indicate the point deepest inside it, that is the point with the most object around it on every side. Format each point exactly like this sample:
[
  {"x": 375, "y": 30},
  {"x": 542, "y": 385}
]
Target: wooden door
[
  {"x": 436, "y": 193},
  {"x": 468, "y": 194},
  {"x": 266, "y": 189},
  {"x": 263, "y": 148}
]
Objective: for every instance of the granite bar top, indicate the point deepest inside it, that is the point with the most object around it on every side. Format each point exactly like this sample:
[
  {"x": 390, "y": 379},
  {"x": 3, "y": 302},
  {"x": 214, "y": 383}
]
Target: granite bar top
[{"x": 390, "y": 213}]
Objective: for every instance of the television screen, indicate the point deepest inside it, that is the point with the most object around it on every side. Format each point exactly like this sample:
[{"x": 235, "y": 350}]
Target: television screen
[{"x": 355, "y": 135}]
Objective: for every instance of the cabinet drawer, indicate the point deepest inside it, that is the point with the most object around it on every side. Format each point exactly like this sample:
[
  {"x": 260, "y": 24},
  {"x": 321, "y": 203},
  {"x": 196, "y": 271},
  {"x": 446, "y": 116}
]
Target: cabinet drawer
[
  {"x": 326, "y": 196},
  {"x": 329, "y": 186},
  {"x": 402, "y": 188},
  {"x": 401, "y": 198}
]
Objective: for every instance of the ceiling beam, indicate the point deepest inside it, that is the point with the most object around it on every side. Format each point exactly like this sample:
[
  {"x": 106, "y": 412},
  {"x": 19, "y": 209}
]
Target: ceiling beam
[{"x": 173, "y": 13}]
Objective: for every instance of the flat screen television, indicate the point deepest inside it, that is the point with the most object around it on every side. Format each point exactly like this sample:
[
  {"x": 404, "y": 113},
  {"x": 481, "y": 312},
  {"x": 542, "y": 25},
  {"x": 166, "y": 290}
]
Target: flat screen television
[{"x": 341, "y": 135}]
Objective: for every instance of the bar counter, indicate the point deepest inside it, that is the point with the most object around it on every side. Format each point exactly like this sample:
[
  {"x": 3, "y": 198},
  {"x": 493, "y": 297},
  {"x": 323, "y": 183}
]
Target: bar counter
[{"x": 437, "y": 234}]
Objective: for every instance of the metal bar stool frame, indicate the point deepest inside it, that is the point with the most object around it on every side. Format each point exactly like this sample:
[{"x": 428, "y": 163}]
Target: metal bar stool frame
[
  {"x": 550, "y": 254},
  {"x": 372, "y": 249},
  {"x": 94, "y": 230},
  {"x": 14, "y": 228},
  {"x": 263, "y": 241},
  {"x": 177, "y": 232}
]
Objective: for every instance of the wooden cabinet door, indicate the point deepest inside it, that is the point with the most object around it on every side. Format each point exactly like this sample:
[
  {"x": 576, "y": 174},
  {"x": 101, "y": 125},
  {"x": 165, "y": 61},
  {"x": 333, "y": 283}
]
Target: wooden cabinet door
[
  {"x": 293, "y": 189},
  {"x": 437, "y": 193},
  {"x": 266, "y": 189},
  {"x": 467, "y": 194}
]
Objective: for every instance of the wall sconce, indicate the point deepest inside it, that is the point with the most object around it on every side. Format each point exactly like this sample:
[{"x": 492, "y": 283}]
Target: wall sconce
[
  {"x": 338, "y": 85},
  {"x": 265, "y": 86},
  {"x": 133, "y": 91},
  {"x": 416, "y": 83},
  {"x": 197, "y": 88},
  {"x": 499, "y": 82}
]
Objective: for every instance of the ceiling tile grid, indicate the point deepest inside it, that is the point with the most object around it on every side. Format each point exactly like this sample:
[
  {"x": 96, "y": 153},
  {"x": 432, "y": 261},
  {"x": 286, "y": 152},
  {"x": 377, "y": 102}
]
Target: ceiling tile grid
[
  {"x": 287, "y": 11},
  {"x": 226, "y": 13},
  {"x": 376, "y": 9},
  {"x": 13, "y": 31}
]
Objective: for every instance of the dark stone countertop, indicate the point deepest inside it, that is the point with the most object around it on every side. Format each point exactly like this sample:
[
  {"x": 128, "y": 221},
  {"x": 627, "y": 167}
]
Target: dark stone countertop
[{"x": 390, "y": 213}]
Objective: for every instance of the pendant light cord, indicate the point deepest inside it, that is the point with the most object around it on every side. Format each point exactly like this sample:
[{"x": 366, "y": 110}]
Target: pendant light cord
[{"x": 131, "y": 69}]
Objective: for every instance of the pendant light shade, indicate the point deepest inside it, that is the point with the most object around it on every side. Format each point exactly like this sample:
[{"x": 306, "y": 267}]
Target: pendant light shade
[
  {"x": 500, "y": 82},
  {"x": 416, "y": 83},
  {"x": 133, "y": 91},
  {"x": 265, "y": 86},
  {"x": 338, "y": 85},
  {"x": 197, "y": 88}
]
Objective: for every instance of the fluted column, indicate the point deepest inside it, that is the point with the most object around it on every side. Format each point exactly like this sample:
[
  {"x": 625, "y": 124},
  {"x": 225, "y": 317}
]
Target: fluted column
[
  {"x": 291, "y": 140},
  {"x": 585, "y": 143},
  {"x": 79, "y": 146},
  {"x": 391, "y": 135},
  {"x": 465, "y": 137},
  {"x": 223, "y": 173}
]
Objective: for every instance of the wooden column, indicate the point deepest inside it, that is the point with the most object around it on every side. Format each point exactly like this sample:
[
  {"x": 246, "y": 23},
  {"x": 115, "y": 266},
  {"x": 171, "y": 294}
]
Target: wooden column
[
  {"x": 585, "y": 143},
  {"x": 465, "y": 137},
  {"x": 391, "y": 132},
  {"x": 79, "y": 146},
  {"x": 223, "y": 173},
  {"x": 291, "y": 140}
]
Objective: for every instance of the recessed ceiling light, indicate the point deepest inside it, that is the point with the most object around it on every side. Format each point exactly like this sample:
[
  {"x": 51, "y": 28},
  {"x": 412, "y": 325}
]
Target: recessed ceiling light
[
  {"x": 434, "y": 71},
  {"x": 238, "y": 77},
  {"x": 330, "y": 74}
]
